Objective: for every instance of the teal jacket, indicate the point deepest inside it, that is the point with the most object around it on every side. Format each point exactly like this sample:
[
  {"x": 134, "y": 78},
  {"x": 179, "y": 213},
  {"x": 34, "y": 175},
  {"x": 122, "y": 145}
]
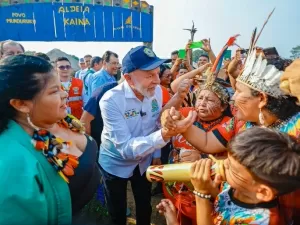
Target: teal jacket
[{"x": 31, "y": 191}]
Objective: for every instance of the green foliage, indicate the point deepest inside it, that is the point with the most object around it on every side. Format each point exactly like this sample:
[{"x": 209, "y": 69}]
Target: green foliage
[
  {"x": 75, "y": 57},
  {"x": 197, "y": 53},
  {"x": 295, "y": 52}
]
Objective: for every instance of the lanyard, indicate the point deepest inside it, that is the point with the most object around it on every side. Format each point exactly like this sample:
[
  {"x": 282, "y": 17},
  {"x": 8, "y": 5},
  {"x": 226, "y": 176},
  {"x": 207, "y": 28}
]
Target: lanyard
[{"x": 67, "y": 90}]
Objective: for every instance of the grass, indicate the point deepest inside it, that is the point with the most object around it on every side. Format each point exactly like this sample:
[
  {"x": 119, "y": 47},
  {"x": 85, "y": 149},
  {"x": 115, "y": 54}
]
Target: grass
[{"x": 94, "y": 213}]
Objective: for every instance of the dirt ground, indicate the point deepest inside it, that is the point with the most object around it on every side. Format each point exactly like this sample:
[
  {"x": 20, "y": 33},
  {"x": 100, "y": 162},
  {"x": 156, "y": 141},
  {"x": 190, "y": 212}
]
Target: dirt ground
[
  {"x": 94, "y": 214},
  {"x": 156, "y": 218}
]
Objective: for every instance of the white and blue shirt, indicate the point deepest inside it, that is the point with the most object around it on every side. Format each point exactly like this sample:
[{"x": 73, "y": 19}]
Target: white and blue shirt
[{"x": 130, "y": 135}]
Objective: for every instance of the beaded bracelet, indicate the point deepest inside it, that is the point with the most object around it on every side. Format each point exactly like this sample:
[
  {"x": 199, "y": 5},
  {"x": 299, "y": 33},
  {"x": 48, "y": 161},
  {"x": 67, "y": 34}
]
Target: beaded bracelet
[{"x": 201, "y": 195}]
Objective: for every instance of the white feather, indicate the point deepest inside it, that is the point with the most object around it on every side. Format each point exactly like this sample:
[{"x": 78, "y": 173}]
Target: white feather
[{"x": 261, "y": 76}]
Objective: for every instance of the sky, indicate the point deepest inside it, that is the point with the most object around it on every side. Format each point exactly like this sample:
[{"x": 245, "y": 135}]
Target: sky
[{"x": 214, "y": 19}]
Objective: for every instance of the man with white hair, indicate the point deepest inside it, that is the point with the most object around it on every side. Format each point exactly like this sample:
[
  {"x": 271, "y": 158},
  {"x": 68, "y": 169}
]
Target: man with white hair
[
  {"x": 10, "y": 48},
  {"x": 131, "y": 137}
]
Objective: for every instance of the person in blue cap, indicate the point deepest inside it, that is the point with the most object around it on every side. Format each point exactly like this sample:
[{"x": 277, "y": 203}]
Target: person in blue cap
[
  {"x": 131, "y": 138},
  {"x": 82, "y": 66}
]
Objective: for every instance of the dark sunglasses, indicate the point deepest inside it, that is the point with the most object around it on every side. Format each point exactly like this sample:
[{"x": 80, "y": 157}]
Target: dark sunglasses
[{"x": 67, "y": 67}]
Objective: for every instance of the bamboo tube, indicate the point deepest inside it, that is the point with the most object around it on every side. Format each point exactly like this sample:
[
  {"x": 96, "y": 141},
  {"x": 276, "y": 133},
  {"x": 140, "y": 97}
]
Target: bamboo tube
[{"x": 180, "y": 172}]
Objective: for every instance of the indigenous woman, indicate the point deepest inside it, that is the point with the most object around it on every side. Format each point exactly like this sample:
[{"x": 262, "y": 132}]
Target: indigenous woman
[
  {"x": 212, "y": 109},
  {"x": 41, "y": 147},
  {"x": 259, "y": 102}
]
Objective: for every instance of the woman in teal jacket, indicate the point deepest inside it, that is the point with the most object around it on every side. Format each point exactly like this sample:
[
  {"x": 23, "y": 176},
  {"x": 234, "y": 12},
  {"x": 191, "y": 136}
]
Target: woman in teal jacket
[{"x": 35, "y": 165}]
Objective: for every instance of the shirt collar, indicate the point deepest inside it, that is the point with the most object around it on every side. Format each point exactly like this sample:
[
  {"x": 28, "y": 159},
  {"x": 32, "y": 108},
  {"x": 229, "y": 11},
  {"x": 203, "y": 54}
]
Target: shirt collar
[
  {"x": 128, "y": 90},
  {"x": 15, "y": 130},
  {"x": 106, "y": 74}
]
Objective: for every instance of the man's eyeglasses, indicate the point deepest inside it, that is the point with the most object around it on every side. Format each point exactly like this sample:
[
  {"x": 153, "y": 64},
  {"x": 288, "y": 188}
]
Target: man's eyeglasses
[
  {"x": 114, "y": 63},
  {"x": 67, "y": 67}
]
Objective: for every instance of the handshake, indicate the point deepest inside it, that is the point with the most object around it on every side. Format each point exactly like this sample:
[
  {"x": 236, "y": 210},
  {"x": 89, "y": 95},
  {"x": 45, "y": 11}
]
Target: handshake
[{"x": 173, "y": 122}]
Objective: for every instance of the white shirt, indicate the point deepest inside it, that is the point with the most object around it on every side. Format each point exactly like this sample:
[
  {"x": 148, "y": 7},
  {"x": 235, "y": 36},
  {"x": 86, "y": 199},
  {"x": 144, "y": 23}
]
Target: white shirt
[
  {"x": 82, "y": 73},
  {"x": 66, "y": 85},
  {"x": 130, "y": 134}
]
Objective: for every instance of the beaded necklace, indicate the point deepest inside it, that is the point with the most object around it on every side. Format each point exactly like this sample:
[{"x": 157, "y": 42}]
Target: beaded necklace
[
  {"x": 68, "y": 88},
  {"x": 208, "y": 125},
  {"x": 277, "y": 125},
  {"x": 54, "y": 148}
]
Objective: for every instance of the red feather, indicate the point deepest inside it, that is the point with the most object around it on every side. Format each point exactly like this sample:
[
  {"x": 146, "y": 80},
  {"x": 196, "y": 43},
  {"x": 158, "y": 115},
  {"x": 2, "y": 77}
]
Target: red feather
[{"x": 231, "y": 40}]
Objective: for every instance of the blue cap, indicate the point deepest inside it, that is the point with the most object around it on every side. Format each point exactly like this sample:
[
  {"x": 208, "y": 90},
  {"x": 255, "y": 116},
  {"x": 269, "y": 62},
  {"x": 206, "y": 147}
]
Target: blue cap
[
  {"x": 81, "y": 60},
  {"x": 140, "y": 58}
]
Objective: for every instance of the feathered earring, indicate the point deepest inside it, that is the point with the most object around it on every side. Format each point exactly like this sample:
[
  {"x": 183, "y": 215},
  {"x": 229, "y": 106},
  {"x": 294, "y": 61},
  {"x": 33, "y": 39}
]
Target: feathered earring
[
  {"x": 31, "y": 124},
  {"x": 261, "y": 118}
]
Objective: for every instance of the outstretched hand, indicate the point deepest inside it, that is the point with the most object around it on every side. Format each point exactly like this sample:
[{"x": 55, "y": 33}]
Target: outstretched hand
[
  {"x": 206, "y": 45},
  {"x": 184, "y": 88},
  {"x": 235, "y": 66},
  {"x": 203, "y": 68},
  {"x": 188, "y": 46},
  {"x": 167, "y": 208}
]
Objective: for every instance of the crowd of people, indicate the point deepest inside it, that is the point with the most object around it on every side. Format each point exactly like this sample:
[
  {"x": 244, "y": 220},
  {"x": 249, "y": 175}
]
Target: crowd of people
[{"x": 62, "y": 132}]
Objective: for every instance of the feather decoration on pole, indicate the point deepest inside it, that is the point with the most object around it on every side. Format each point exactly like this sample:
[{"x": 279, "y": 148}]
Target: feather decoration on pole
[
  {"x": 265, "y": 23},
  {"x": 219, "y": 60},
  {"x": 213, "y": 72}
]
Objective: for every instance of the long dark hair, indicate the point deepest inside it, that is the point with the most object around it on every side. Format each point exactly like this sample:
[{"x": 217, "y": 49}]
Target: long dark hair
[
  {"x": 283, "y": 107},
  {"x": 21, "y": 77}
]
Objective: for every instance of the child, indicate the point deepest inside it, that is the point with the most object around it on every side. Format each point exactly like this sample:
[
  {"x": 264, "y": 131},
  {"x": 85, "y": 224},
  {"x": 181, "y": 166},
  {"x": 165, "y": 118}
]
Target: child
[{"x": 262, "y": 165}]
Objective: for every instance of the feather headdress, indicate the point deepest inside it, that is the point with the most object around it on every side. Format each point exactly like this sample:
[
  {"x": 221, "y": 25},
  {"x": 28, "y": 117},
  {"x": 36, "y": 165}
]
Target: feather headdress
[
  {"x": 257, "y": 74},
  {"x": 210, "y": 82}
]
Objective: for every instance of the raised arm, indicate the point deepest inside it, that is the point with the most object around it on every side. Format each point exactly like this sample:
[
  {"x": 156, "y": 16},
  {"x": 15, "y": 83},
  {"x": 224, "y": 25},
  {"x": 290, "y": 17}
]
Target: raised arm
[
  {"x": 190, "y": 75},
  {"x": 175, "y": 67},
  {"x": 177, "y": 100},
  {"x": 235, "y": 68},
  {"x": 207, "y": 47}
]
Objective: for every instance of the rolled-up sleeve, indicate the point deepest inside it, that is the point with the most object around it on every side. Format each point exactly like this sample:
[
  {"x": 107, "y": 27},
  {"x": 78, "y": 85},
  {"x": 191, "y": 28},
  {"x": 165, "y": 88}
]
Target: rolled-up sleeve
[{"x": 116, "y": 127}]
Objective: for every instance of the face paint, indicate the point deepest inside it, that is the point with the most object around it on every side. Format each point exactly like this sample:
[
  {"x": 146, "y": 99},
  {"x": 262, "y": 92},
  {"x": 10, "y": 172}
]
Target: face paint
[
  {"x": 208, "y": 106},
  {"x": 247, "y": 105},
  {"x": 241, "y": 103},
  {"x": 213, "y": 107}
]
